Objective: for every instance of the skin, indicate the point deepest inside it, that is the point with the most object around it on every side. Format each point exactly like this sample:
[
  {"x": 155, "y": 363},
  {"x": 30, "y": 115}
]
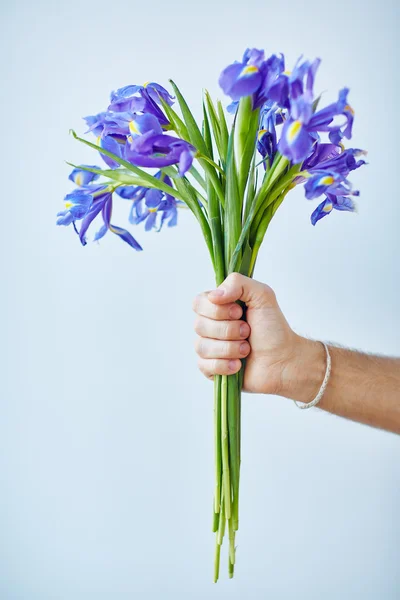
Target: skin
[{"x": 361, "y": 387}]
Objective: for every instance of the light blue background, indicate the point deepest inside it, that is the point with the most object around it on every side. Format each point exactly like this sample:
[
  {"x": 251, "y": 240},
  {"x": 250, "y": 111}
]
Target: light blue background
[{"x": 106, "y": 459}]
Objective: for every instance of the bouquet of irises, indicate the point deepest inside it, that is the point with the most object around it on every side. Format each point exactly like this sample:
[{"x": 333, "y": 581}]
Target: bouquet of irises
[{"x": 233, "y": 171}]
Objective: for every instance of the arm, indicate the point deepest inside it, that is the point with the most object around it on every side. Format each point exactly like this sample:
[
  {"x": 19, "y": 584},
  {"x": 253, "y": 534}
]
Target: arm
[{"x": 362, "y": 387}]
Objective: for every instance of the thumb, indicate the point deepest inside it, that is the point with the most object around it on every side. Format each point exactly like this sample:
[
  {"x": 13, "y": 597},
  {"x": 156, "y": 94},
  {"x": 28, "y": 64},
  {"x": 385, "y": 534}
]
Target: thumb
[{"x": 239, "y": 287}]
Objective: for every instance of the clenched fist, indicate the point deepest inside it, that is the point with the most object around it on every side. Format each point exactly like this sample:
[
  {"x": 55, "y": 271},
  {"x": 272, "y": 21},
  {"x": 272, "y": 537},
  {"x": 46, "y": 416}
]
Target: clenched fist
[{"x": 265, "y": 338}]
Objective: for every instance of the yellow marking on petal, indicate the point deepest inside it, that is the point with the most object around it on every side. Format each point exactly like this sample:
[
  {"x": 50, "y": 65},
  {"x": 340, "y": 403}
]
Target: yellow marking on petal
[
  {"x": 328, "y": 180},
  {"x": 78, "y": 179},
  {"x": 349, "y": 109},
  {"x": 133, "y": 127},
  {"x": 287, "y": 73},
  {"x": 98, "y": 140},
  {"x": 130, "y": 139},
  {"x": 261, "y": 133},
  {"x": 152, "y": 210},
  {"x": 146, "y": 83},
  {"x": 294, "y": 130},
  {"x": 67, "y": 204},
  {"x": 328, "y": 207},
  {"x": 249, "y": 70},
  {"x": 342, "y": 146}
]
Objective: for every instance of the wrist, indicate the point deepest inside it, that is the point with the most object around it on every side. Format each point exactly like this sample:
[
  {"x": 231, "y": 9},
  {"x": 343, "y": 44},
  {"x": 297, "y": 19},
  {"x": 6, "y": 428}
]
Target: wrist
[{"x": 303, "y": 374}]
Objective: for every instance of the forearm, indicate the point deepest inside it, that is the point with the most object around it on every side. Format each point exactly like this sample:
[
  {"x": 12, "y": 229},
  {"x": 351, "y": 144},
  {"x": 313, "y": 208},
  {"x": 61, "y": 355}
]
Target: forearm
[{"x": 361, "y": 387}]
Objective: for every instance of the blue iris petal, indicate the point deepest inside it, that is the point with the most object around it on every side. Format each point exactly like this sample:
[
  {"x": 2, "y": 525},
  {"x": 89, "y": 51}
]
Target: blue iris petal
[
  {"x": 126, "y": 237},
  {"x": 82, "y": 177}
]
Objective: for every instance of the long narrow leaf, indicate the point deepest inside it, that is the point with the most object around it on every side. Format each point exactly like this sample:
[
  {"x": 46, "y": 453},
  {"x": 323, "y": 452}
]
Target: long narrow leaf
[
  {"x": 193, "y": 129},
  {"x": 153, "y": 181},
  {"x": 115, "y": 174},
  {"x": 175, "y": 120}
]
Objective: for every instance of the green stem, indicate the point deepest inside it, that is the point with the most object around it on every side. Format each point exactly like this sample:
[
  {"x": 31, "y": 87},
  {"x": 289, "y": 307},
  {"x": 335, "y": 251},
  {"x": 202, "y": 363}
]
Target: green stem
[
  {"x": 234, "y": 459},
  {"x": 222, "y": 521},
  {"x": 217, "y": 442},
  {"x": 210, "y": 162},
  {"x": 231, "y": 542},
  {"x": 217, "y": 561},
  {"x": 225, "y": 447}
]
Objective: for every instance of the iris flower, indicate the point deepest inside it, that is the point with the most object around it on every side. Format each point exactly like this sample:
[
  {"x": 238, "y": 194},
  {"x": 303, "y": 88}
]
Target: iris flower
[
  {"x": 343, "y": 203},
  {"x": 253, "y": 76},
  {"x": 148, "y": 203},
  {"x": 141, "y": 98},
  {"x": 81, "y": 177},
  {"x": 298, "y": 133},
  {"x": 267, "y": 138},
  {"x": 327, "y": 182},
  {"x": 85, "y": 204},
  {"x": 160, "y": 150},
  {"x": 76, "y": 206}
]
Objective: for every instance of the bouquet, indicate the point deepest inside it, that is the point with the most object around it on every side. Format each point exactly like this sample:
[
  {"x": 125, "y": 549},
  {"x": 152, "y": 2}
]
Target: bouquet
[{"x": 233, "y": 172}]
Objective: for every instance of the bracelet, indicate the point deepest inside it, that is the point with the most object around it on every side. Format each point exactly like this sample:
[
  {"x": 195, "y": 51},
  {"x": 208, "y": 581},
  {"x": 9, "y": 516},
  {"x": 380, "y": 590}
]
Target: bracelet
[{"x": 324, "y": 383}]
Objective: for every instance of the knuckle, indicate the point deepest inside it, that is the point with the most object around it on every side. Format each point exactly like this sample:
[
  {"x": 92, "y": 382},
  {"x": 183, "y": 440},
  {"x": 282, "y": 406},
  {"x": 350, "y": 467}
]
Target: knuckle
[
  {"x": 216, "y": 367},
  {"x": 198, "y": 346},
  {"x": 197, "y": 325},
  {"x": 226, "y": 331},
  {"x": 235, "y": 277},
  {"x": 269, "y": 292},
  {"x": 216, "y": 312},
  {"x": 227, "y": 349},
  {"x": 195, "y": 303},
  {"x": 202, "y": 368}
]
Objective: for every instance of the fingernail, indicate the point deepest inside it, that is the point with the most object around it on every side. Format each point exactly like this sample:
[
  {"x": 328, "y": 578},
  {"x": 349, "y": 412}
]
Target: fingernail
[
  {"x": 243, "y": 330},
  {"x": 244, "y": 348},
  {"x": 218, "y": 292},
  {"x": 232, "y": 365}
]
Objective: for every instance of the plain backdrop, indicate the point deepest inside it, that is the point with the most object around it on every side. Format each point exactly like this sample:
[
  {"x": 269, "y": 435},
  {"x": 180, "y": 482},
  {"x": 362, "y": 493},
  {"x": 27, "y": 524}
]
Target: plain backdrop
[{"x": 106, "y": 457}]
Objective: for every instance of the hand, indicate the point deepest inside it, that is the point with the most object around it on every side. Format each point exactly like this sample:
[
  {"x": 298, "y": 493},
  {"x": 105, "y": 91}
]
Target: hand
[{"x": 266, "y": 339}]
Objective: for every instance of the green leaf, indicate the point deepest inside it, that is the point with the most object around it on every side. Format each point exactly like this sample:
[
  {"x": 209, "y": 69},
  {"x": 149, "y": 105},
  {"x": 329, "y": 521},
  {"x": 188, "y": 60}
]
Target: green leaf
[
  {"x": 194, "y": 132},
  {"x": 175, "y": 120},
  {"x": 207, "y": 132},
  {"x": 215, "y": 126},
  {"x": 146, "y": 177},
  {"x": 121, "y": 175},
  {"x": 244, "y": 267},
  {"x": 196, "y": 138},
  {"x": 233, "y": 206},
  {"x": 315, "y": 103},
  {"x": 247, "y": 126},
  {"x": 223, "y": 125}
]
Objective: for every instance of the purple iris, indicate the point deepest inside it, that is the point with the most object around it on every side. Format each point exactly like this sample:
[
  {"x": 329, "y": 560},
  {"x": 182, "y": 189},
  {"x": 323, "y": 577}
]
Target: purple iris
[
  {"x": 152, "y": 204},
  {"x": 85, "y": 204},
  {"x": 298, "y": 133},
  {"x": 267, "y": 138},
  {"x": 141, "y": 98},
  {"x": 112, "y": 144},
  {"x": 343, "y": 203},
  {"x": 326, "y": 182},
  {"x": 149, "y": 203},
  {"x": 123, "y": 97},
  {"x": 343, "y": 162},
  {"x": 81, "y": 177},
  {"x": 76, "y": 205},
  {"x": 253, "y": 76},
  {"x": 160, "y": 150}
]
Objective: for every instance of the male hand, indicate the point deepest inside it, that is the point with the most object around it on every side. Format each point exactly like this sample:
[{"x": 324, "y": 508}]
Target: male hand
[{"x": 266, "y": 339}]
